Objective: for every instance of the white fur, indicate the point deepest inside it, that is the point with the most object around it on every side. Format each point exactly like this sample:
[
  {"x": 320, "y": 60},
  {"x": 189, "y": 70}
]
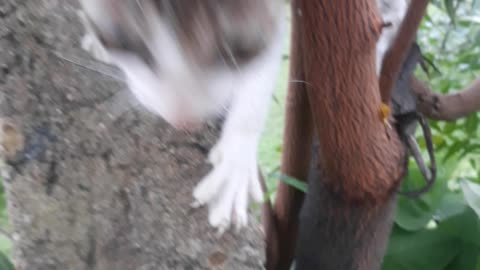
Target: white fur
[
  {"x": 392, "y": 11},
  {"x": 90, "y": 41},
  {"x": 235, "y": 175}
]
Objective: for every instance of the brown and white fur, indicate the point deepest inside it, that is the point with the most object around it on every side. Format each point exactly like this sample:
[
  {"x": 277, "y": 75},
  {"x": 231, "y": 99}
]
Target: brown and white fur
[{"x": 190, "y": 60}]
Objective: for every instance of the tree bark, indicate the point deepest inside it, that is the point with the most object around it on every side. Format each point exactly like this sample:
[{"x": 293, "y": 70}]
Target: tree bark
[
  {"x": 335, "y": 234},
  {"x": 361, "y": 156},
  {"x": 395, "y": 56},
  {"x": 92, "y": 181},
  {"x": 447, "y": 107},
  {"x": 295, "y": 157},
  {"x": 348, "y": 212}
]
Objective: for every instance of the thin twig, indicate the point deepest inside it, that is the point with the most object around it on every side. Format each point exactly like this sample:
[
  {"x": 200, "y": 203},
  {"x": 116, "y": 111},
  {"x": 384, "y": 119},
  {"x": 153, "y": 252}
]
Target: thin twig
[{"x": 84, "y": 64}]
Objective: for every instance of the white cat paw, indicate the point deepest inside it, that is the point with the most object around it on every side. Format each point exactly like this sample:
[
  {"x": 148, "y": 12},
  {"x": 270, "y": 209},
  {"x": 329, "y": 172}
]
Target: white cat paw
[
  {"x": 90, "y": 42},
  {"x": 233, "y": 181},
  {"x": 92, "y": 45}
]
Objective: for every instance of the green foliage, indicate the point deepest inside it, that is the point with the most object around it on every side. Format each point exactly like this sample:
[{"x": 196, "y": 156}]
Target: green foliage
[{"x": 441, "y": 230}]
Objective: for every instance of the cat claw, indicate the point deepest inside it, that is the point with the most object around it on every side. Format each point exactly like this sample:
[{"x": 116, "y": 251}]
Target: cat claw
[
  {"x": 233, "y": 180},
  {"x": 90, "y": 43}
]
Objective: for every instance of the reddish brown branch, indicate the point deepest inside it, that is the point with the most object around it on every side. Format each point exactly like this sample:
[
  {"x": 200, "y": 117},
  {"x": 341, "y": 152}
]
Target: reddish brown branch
[
  {"x": 296, "y": 154},
  {"x": 447, "y": 107},
  {"x": 295, "y": 162},
  {"x": 393, "y": 60},
  {"x": 270, "y": 228},
  {"x": 363, "y": 160}
]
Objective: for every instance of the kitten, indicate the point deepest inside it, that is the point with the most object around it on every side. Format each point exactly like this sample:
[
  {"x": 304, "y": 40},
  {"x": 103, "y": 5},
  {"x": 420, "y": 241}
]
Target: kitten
[{"x": 191, "y": 60}]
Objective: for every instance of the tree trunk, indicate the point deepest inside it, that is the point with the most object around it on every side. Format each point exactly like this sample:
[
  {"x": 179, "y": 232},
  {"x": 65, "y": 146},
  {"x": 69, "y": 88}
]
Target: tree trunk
[
  {"x": 334, "y": 234},
  {"x": 92, "y": 181},
  {"x": 359, "y": 161}
]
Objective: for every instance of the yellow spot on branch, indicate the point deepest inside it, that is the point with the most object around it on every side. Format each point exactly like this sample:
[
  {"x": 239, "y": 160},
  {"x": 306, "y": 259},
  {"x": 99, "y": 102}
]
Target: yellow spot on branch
[{"x": 385, "y": 112}]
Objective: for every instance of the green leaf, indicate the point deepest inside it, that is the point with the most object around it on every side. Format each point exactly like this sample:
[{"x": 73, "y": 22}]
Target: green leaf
[
  {"x": 434, "y": 125},
  {"x": 468, "y": 149},
  {"x": 452, "y": 204},
  {"x": 473, "y": 163},
  {"x": 436, "y": 249},
  {"x": 412, "y": 215},
  {"x": 471, "y": 124},
  {"x": 468, "y": 258},
  {"x": 471, "y": 192},
  {"x": 5, "y": 263},
  {"x": 453, "y": 150},
  {"x": 450, "y": 10},
  {"x": 302, "y": 186},
  {"x": 438, "y": 140},
  {"x": 449, "y": 128},
  {"x": 464, "y": 227},
  {"x": 425, "y": 250}
]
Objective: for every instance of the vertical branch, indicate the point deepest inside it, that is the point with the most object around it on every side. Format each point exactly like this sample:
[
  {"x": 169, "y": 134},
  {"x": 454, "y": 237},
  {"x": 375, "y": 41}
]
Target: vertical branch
[
  {"x": 348, "y": 212},
  {"x": 362, "y": 158},
  {"x": 393, "y": 60},
  {"x": 296, "y": 152},
  {"x": 334, "y": 234},
  {"x": 270, "y": 229}
]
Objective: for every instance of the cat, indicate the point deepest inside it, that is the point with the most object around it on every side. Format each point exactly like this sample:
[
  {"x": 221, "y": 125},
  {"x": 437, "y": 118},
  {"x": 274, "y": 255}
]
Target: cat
[{"x": 192, "y": 60}]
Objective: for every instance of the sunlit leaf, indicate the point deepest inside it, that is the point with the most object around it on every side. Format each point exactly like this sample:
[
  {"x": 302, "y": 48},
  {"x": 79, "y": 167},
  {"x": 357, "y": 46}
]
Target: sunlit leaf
[
  {"x": 454, "y": 149},
  {"x": 471, "y": 19},
  {"x": 452, "y": 204},
  {"x": 471, "y": 192},
  {"x": 413, "y": 215},
  {"x": 449, "y": 127}
]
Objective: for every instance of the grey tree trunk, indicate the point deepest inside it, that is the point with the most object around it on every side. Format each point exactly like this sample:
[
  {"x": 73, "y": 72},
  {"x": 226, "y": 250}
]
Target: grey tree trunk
[{"x": 92, "y": 181}]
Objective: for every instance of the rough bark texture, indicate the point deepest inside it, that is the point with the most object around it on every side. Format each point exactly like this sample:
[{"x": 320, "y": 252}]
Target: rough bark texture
[
  {"x": 362, "y": 158},
  {"x": 339, "y": 235},
  {"x": 447, "y": 107},
  {"x": 348, "y": 212},
  {"x": 92, "y": 182}
]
